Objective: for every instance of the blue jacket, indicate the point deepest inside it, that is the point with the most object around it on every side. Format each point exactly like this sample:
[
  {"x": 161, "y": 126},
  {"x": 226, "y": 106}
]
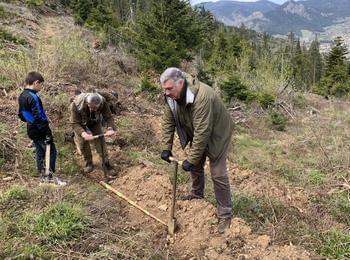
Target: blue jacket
[{"x": 32, "y": 112}]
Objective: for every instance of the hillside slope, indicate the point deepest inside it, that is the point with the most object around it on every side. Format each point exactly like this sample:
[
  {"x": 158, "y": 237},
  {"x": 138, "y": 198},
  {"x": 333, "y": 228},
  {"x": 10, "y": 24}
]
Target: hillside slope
[{"x": 278, "y": 192}]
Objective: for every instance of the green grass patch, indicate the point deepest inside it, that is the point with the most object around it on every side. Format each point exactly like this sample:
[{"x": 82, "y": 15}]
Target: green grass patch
[
  {"x": 256, "y": 210},
  {"x": 15, "y": 64},
  {"x": 4, "y": 128},
  {"x": 340, "y": 206},
  {"x": 182, "y": 176},
  {"x": 5, "y": 14},
  {"x": 23, "y": 250},
  {"x": 28, "y": 165},
  {"x": 252, "y": 153},
  {"x": 14, "y": 194},
  {"x": 34, "y": 4},
  {"x": 6, "y": 36},
  {"x": 67, "y": 163},
  {"x": 315, "y": 177},
  {"x": 335, "y": 245},
  {"x": 61, "y": 222}
]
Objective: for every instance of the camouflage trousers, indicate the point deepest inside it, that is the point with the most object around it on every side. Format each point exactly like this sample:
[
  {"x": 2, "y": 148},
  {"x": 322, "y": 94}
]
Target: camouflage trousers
[{"x": 84, "y": 147}]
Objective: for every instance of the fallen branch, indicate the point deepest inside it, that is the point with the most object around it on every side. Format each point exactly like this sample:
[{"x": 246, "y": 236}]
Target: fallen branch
[{"x": 285, "y": 109}]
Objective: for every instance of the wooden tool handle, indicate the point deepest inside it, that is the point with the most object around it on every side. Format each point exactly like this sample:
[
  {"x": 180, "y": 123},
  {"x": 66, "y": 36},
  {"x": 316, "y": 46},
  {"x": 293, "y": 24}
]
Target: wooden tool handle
[
  {"x": 175, "y": 160},
  {"x": 98, "y": 136},
  {"x": 120, "y": 195},
  {"x": 47, "y": 159}
]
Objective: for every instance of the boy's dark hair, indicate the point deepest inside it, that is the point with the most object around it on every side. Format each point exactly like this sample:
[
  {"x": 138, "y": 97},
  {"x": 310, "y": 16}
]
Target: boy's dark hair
[{"x": 32, "y": 77}]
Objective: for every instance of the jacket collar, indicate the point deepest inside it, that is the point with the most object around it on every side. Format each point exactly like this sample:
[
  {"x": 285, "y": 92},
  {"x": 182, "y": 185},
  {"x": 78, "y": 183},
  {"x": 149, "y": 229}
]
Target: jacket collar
[
  {"x": 31, "y": 90},
  {"x": 192, "y": 88}
]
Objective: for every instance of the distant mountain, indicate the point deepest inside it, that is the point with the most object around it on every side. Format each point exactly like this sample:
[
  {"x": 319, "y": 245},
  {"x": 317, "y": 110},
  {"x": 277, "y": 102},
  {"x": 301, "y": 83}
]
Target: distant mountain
[
  {"x": 324, "y": 18},
  {"x": 235, "y": 13},
  {"x": 312, "y": 15}
]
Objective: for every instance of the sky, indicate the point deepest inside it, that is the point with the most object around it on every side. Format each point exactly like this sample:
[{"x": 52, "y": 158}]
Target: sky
[{"x": 193, "y": 2}]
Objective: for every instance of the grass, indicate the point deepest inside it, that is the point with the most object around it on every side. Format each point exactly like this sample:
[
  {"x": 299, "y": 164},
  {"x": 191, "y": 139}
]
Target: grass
[
  {"x": 61, "y": 222},
  {"x": 66, "y": 163},
  {"x": 340, "y": 207},
  {"x": 336, "y": 245},
  {"x": 256, "y": 211},
  {"x": 64, "y": 55},
  {"x": 79, "y": 219},
  {"x": 315, "y": 177},
  {"x": 312, "y": 155},
  {"x": 15, "y": 64},
  {"x": 6, "y": 36},
  {"x": 5, "y": 15},
  {"x": 13, "y": 199}
]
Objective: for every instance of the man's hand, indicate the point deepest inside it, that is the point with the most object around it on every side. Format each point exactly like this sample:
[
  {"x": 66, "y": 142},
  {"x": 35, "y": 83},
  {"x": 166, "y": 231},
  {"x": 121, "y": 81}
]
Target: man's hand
[
  {"x": 165, "y": 155},
  {"x": 187, "y": 166},
  {"x": 87, "y": 136},
  {"x": 109, "y": 132},
  {"x": 48, "y": 139}
]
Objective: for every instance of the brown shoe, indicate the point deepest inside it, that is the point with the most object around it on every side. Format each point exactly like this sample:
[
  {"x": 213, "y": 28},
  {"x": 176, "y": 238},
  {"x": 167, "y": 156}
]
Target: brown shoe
[
  {"x": 190, "y": 196},
  {"x": 223, "y": 224},
  {"x": 88, "y": 168}
]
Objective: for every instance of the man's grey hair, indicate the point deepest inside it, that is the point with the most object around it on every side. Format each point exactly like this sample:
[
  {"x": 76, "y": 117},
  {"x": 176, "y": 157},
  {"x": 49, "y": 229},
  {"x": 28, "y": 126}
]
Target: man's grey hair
[
  {"x": 172, "y": 73},
  {"x": 94, "y": 99}
]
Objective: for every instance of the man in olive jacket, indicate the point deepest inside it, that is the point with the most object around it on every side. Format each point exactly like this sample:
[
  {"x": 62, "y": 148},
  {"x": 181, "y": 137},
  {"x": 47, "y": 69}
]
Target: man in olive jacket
[
  {"x": 201, "y": 119},
  {"x": 86, "y": 113}
]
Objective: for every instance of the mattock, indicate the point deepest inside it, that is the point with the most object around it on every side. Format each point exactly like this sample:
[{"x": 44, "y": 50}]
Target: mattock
[{"x": 172, "y": 221}]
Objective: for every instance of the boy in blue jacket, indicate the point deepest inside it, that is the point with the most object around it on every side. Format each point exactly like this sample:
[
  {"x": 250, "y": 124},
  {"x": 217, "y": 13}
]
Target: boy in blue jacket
[{"x": 32, "y": 112}]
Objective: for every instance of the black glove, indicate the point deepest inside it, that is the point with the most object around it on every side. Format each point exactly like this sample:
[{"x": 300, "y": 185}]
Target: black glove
[
  {"x": 165, "y": 155},
  {"x": 187, "y": 166},
  {"x": 48, "y": 139}
]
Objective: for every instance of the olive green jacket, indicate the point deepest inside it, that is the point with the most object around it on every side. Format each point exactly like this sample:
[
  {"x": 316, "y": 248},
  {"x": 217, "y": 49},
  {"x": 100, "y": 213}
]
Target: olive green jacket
[
  {"x": 81, "y": 118},
  {"x": 203, "y": 120}
]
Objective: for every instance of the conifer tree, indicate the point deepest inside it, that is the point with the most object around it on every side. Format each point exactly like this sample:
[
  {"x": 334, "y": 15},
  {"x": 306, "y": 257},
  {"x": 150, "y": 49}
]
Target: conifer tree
[
  {"x": 315, "y": 62},
  {"x": 336, "y": 79},
  {"x": 165, "y": 33}
]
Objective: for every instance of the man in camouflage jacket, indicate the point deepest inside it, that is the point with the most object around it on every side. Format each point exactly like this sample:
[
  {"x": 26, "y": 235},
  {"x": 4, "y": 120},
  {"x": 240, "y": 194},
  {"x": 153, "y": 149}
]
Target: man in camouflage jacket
[{"x": 86, "y": 113}]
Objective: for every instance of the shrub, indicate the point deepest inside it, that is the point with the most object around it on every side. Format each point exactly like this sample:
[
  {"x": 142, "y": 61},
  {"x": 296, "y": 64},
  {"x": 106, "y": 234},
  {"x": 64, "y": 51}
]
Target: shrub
[
  {"x": 277, "y": 121},
  {"x": 149, "y": 87},
  {"x": 330, "y": 87},
  {"x": 33, "y": 4},
  {"x": 340, "y": 89},
  {"x": 266, "y": 100},
  {"x": 204, "y": 76},
  {"x": 234, "y": 88}
]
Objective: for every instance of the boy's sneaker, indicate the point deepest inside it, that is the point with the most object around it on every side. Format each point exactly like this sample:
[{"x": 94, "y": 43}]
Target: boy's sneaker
[
  {"x": 52, "y": 180},
  {"x": 59, "y": 182}
]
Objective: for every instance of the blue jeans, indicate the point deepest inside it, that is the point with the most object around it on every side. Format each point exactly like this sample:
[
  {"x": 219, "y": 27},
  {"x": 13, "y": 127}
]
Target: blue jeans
[{"x": 40, "y": 148}]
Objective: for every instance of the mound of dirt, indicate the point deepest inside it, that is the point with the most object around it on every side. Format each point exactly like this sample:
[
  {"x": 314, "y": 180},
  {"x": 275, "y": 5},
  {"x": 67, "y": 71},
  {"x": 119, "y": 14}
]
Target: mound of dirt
[{"x": 196, "y": 236}]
